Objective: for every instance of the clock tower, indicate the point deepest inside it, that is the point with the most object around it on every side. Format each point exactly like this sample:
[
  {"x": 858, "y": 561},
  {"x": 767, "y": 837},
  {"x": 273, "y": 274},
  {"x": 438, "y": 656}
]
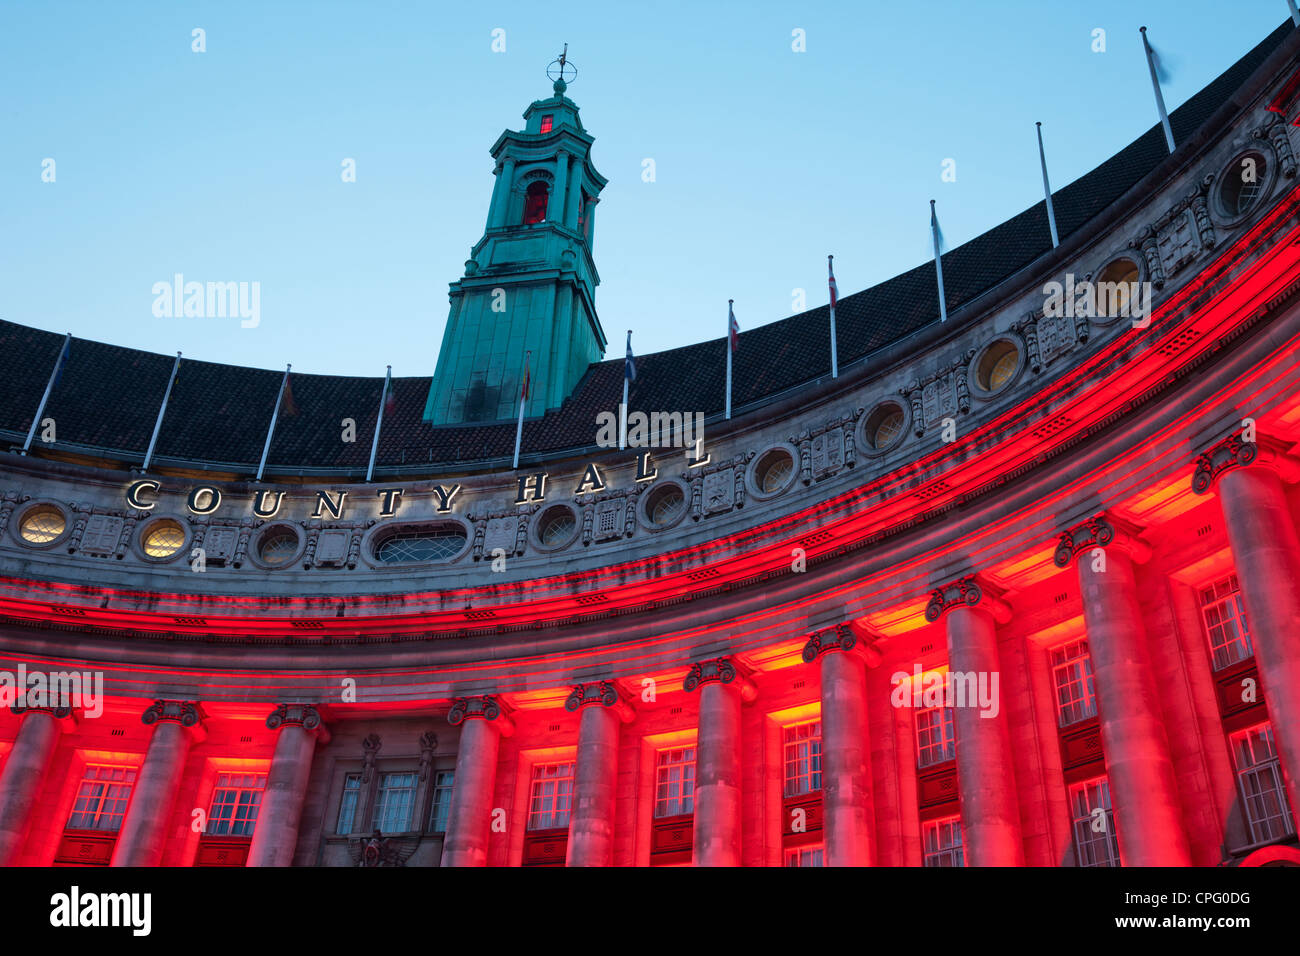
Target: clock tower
[{"x": 530, "y": 282}]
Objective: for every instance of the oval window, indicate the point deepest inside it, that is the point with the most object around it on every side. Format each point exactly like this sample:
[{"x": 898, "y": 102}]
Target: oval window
[
  {"x": 773, "y": 471},
  {"x": 42, "y": 525},
  {"x": 556, "y": 527},
  {"x": 665, "y": 505},
  {"x": 278, "y": 547},
  {"x": 997, "y": 365},
  {"x": 163, "y": 539},
  {"x": 413, "y": 546},
  {"x": 1116, "y": 287}
]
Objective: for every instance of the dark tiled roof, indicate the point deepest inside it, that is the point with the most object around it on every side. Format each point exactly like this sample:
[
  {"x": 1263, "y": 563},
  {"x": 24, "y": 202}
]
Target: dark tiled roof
[{"x": 108, "y": 397}]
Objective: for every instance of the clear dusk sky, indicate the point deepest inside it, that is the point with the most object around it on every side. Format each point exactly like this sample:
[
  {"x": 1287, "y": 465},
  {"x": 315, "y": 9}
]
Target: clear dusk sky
[{"x": 225, "y": 165}]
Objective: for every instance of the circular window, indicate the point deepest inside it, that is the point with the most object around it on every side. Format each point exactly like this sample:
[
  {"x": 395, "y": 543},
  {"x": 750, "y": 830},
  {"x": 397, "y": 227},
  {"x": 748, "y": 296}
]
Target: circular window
[
  {"x": 163, "y": 538},
  {"x": 997, "y": 365},
  {"x": 42, "y": 525},
  {"x": 556, "y": 526},
  {"x": 773, "y": 471},
  {"x": 277, "y": 547},
  {"x": 665, "y": 504},
  {"x": 1115, "y": 288},
  {"x": 884, "y": 427},
  {"x": 412, "y": 546},
  {"x": 1243, "y": 184}
]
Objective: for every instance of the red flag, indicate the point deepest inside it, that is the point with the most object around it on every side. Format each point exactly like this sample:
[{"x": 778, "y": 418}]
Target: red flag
[
  {"x": 390, "y": 398},
  {"x": 288, "y": 407},
  {"x": 831, "y": 268},
  {"x": 523, "y": 392},
  {"x": 733, "y": 327}
]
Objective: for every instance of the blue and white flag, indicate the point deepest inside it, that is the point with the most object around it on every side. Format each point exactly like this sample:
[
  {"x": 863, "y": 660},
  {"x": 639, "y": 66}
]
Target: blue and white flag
[{"x": 629, "y": 364}]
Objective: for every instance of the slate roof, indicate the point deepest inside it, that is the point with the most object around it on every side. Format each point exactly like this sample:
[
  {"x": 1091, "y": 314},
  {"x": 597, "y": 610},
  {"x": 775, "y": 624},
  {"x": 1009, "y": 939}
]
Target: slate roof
[{"x": 107, "y": 398}]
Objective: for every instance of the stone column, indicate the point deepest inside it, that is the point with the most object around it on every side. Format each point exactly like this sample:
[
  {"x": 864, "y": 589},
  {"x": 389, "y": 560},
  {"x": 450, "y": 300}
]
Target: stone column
[
  {"x": 1266, "y": 552},
  {"x": 144, "y": 828},
  {"x": 846, "y": 759},
  {"x": 470, "y": 816},
  {"x": 1143, "y": 790},
  {"x": 555, "y": 207},
  {"x": 717, "y": 760},
  {"x": 591, "y": 824},
  {"x": 24, "y": 772},
  {"x": 275, "y": 838},
  {"x": 500, "y": 206},
  {"x": 986, "y": 779}
]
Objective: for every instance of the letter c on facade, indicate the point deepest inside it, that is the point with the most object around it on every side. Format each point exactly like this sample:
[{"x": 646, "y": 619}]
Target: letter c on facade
[{"x": 133, "y": 494}]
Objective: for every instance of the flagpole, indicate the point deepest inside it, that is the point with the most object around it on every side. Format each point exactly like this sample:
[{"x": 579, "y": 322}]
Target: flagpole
[
  {"x": 523, "y": 400},
  {"x": 266, "y": 449},
  {"x": 49, "y": 387},
  {"x": 835, "y": 362},
  {"x": 1295, "y": 12},
  {"x": 1047, "y": 188},
  {"x": 379, "y": 423},
  {"x": 622, "y": 409},
  {"x": 730, "y": 303},
  {"x": 1155, "y": 85},
  {"x": 938, "y": 263},
  {"x": 157, "y": 426}
]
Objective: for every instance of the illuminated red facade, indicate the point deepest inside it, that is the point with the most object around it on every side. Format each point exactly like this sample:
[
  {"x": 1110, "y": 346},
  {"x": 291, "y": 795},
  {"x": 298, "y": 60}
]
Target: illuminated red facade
[{"x": 1021, "y": 588}]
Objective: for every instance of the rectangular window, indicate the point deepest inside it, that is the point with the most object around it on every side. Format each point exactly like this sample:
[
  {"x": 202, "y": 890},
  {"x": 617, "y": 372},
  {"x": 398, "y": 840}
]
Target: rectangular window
[
  {"x": 935, "y": 737},
  {"x": 1225, "y": 623},
  {"x": 102, "y": 798},
  {"x": 805, "y": 856},
  {"x": 552, "y": 796},
  {"x": 803, "y": 758},
  {"x": 394, "y": 801},
  {"x": 348, "y": 805},
  {"x": 548, "y": 123},
  {"x": 443, "y": 781},
  {"x": 675, "y": 782},
  {"x": 1072, "y": 674},
  {"x": 941, "y": 843},
  {"x": 235, "y": 802},
  {"x": 1095, "y": 841},
  {"x": 1268, "y": 812}
]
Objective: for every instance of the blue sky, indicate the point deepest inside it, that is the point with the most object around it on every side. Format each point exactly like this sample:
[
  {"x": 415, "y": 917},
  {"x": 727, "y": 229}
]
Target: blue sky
[{"x": 225, "y": 165}]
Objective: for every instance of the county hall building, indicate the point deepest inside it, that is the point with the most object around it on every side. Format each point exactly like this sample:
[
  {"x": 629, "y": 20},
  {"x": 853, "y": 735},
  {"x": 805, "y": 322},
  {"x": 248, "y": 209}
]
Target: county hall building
[{"x": 1021, "y": 587}]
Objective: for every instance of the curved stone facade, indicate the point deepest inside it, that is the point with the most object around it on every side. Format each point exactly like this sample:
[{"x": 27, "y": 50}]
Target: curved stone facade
[{"x": 1017, "y": 588}]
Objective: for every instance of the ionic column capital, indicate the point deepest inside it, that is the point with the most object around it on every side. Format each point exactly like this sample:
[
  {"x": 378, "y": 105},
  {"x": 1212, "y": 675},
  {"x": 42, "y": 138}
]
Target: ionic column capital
[
  {"x": 187, "y": 713},
  {"x": 305, "y": 716},
  {"x": 1235, "y": 451},
  {"x": 1100, "y": 531},
  {"x": 603, "y": 693},
  {"x": 719, "y": 670},
  {"x": 58, "y": 713},
  {"x": 965, "y": 592},
  {"x": 840, "y": 637},
  {"x": 483, "y": 707}
]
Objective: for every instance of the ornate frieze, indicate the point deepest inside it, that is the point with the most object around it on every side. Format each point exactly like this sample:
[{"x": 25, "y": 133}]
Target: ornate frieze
[
  {"x": 1050, "y": 337},
  {"x": 1146, "y": 244},
  {"x": 825, "y": 450},
  {"x": 335, "y": 545},
  {"x": 718, "y": 487},
  {"x": 101, "y": 532},
  {"x": 184, "y": 712},
  {"x": 1230, "y": 453},
  {"x": 503, "y": 530},
  {"x": 8, "y": 503}
]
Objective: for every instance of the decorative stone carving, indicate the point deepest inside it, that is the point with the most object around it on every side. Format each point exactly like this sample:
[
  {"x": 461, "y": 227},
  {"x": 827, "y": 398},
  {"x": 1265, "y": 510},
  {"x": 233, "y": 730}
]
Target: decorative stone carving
[
  {"x": 837, "y": 638},
  {"x": 370, "y": 748},
  {"x": 7, "y": 506},
  {"x": 184, "y": 712},
  {"x": 942, "y": 395},
  {"x": 1276, "y": 134},
  {"x": 1146, "y": 244},
  {"x": 220, "y": 543},
  {"x": 824, "y": 450},
  {"x": 608, "y": 520},
  {"x": 718, "y": 487},
  {"x": 827, "y": 452},
  {"x": 101, "y": 534},
  {"x": 720, "y": 669},
  {"x": 57, "y": 711},
  {"x": 719, "y": 492},
  {"x": 128, "y": 531},
  {"x": 378, "y": 850},
  {"x": 331, "y": 548},
  {"x": 507, "y": 530},
  {"x": 82, "y": 516},
  {"x": 1230, "y": 453},
  {"x": 1050, "y": 337},
  {"x": 305, "y": 716},
  {"x": 463, "y": 708},
  {"x": 1096, "y": 532},
  {"x": 601, "y": 692},
  {"x": 428, "y": 747},
  {"x": 965, "y": 591}
]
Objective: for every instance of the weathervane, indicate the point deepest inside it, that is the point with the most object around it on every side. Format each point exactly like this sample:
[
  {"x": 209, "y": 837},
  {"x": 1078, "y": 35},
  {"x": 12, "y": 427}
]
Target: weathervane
[{"x": 562, "y": 71}]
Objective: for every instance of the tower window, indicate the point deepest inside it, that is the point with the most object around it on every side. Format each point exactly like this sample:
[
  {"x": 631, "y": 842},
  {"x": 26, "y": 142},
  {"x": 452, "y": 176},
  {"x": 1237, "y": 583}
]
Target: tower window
[
  {"x": 548, "y": 122},
  {"x": 535, "y": 203}
]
